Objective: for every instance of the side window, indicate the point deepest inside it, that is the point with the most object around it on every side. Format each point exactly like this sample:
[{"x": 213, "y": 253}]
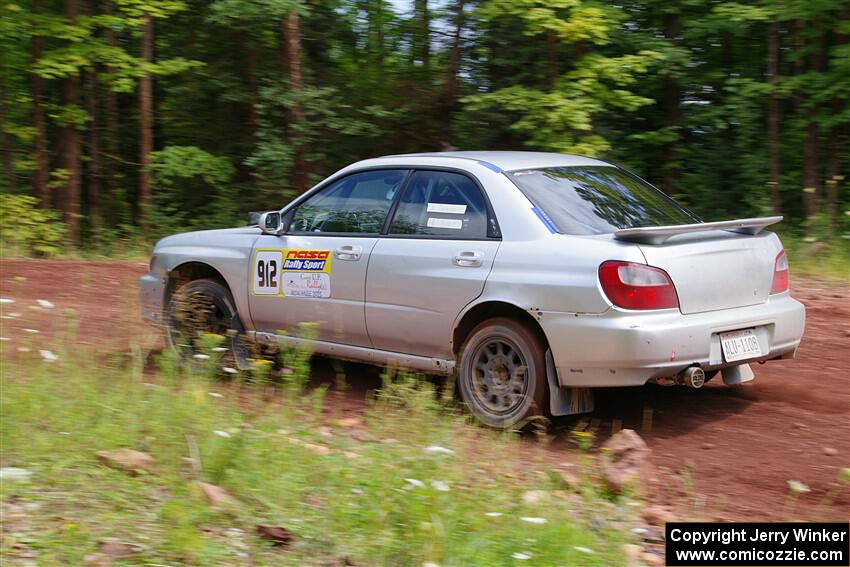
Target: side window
[
  {"x": 357, "y": 203},
  {"x": 441, "y": 203}
]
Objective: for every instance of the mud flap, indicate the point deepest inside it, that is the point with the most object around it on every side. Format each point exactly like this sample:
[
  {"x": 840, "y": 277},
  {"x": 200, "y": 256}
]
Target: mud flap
[
  {"x": 566, "y": 401},
  {"x": 737, "y": 374}
]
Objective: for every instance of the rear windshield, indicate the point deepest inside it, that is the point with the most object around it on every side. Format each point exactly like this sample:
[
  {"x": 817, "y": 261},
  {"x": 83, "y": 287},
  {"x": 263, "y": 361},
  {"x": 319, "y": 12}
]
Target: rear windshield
[{"x": 597, "y": 199}]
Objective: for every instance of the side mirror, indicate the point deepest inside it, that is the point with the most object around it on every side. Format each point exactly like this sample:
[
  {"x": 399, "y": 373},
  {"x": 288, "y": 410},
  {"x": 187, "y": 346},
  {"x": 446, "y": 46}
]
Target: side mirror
[{"x": 270, "y": 223}]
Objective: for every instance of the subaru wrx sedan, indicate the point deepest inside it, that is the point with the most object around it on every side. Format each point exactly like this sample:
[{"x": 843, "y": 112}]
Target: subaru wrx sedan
[{"x": 531, "y": 277}]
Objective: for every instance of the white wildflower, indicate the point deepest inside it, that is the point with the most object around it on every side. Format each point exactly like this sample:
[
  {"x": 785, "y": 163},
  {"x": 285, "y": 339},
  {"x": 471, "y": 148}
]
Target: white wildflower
[
  {"x": 4, "y": 339},
  {"x": 797, "y": 487},
  {"x": 229, "y": 370},
  {"x": 44, "y": 303},
  {"x": 219, "y": 349},
  {"x": 32, "y": 331},
  {"x": 493, "y": 514},
  {"x": 5, "y": 300},
  {"x": 215, "y": 394},
  {"x": 430, "y": 564},
  {"x": 532, "y": 520},
  {"x": 14, "y": 315},
  {"x": 414, "y": 483},
  {"x": 221, "y": 433},
  {"x": 440, "y": 485},
  {"x": 48, "y": 356},
  {"x": 14, "y": 473},
  {"x": 520, "y": 556},
  {"x": 201, "y": 356},
  {"x": 583, "y": 549},
  {"x": 438, "y": 449}
]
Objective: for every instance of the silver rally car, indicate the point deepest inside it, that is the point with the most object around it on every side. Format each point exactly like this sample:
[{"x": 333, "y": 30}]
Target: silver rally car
[{"x": 532, "y": 277}]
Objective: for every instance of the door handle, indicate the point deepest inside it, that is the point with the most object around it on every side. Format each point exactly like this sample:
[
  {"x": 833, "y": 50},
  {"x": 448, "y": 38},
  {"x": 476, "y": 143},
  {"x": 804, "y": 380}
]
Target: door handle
[
  {"x": 468, "y": 259},
  {"x": 348, "y": 252}
]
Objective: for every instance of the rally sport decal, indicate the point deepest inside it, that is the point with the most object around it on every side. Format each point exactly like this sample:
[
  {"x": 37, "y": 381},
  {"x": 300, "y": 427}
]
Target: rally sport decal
[{"x": 291, "y": 273}]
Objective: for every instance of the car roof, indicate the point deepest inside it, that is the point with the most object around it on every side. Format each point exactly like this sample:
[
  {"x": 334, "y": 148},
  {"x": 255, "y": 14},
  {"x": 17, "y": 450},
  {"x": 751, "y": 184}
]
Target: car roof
[{"x": 510, "y": 160}]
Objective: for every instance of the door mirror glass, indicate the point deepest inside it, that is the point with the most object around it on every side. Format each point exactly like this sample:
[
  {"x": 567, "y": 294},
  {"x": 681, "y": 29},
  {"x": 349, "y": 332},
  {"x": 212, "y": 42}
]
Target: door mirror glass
[{"x": 270, "y": 222}]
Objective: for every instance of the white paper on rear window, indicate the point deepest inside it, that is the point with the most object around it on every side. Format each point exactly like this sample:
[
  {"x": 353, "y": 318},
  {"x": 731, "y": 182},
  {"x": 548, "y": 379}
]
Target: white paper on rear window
[
  {"x": 455, "y": 224},
  {"x": 446, "y": 208}
]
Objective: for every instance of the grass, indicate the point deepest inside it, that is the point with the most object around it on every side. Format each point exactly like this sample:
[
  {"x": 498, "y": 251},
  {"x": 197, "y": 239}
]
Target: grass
[
  {"x": 827, "y": 260},
  {"x": 365, "y": 493}
]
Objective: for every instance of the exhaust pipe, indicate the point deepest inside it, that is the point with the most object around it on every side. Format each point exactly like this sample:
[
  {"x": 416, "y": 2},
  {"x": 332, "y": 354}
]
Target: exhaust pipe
[{"x": 692, "y": 377}]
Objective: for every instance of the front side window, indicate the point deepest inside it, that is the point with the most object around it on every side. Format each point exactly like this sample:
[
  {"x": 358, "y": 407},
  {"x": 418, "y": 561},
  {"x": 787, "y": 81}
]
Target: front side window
[
  {"x": 598, "y": 199},
  {"x": 357, "y": 203},
  {"x": 441, "y": 203}
]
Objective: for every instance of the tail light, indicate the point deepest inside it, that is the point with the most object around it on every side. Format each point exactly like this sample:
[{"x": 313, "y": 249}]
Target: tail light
[
  {"x": 637, "y": 286},
  {"x": 780, "y": 274}
]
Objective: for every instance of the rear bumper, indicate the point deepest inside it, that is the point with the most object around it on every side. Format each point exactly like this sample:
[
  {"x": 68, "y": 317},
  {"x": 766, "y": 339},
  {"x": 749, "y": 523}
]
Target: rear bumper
[
  {"x": 151, "y": 297},
  {"x": 627, "y": 348}
]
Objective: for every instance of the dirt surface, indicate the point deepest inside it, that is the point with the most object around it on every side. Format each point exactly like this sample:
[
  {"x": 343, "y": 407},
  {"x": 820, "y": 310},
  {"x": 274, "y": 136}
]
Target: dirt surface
[{"x": 721, "y": 453}]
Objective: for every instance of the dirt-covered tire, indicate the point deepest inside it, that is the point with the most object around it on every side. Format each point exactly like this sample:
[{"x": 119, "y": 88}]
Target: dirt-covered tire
[
  {"x": 502, "y": 373},
  {"x": 205, "y": 306}
]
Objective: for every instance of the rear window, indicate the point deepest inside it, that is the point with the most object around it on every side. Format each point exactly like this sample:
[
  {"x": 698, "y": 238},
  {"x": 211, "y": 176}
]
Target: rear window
[{"x": 597, "y": 199}]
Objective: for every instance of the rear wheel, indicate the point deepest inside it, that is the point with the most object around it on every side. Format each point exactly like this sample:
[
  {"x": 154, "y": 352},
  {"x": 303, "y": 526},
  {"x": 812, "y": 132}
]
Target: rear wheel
[
  {"x": 502, "y": 373},
  {"x": 205, "y": 307}
]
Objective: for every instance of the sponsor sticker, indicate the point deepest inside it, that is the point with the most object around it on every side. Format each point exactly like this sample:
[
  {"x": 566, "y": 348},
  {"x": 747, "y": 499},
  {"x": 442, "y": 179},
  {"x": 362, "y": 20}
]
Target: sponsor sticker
[
  {"x": 307, "y": 261},
  {"x": 277, "y": 272},
  {"x": 301, "y": 284}
]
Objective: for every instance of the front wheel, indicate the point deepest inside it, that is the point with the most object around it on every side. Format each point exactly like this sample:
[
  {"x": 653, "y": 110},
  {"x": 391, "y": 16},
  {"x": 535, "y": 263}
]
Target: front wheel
[
  {"x": 502, "y": 373},
  {"x": 205, "y": 307}
]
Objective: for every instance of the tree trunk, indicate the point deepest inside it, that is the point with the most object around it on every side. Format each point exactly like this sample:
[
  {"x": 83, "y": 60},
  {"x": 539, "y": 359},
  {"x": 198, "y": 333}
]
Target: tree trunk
[
  {"x": 94, "y": 170},
  {"x": 833, "y": 170},
  {"x": 112, "y": 141},
  {"x": 145, "y": 124},
  {"x": 375, "y": 33},
  {"x": 251, "y": 79},
  {"x": 672, "y": 112},
  {"x": 291, "y": 33},
  {"x": 773, "y": 116},
  {"x": 552, "y": 57},
  {"x": 380, "y": 21},
  {"x": 5, "y": 146},
  {"x": 810, "y": 153},
  {"x": 833, "y": 166},
  {"x": 422, "y": 34},
  {"x": 41, "y": 174},
  {"x": 69, "y": 193},
  {"x": 449, "y": 95}
]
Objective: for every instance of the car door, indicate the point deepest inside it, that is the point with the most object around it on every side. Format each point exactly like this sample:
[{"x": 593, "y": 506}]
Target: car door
[
  {"x": 316, "y": 271},
  {"x": 432, "y": 262}
]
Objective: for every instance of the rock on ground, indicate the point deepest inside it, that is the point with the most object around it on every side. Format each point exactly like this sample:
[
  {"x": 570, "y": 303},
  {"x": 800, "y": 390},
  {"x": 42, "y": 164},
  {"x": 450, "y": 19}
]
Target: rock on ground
[
  {"x": 623, "y": 459},
  {"x": 128, "y": 460},
  {"x": 217, "y": 496}
]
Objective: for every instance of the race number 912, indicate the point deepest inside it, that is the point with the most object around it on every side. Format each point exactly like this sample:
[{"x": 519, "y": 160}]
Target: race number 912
[{"x": 267, "y": 265}]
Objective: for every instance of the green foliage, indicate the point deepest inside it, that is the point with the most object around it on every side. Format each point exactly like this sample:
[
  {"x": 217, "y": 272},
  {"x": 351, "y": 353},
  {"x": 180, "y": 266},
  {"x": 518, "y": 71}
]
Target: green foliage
[
  {"x": 372, "y": 493},
  {"x": 191, "y": 190},
  {"x": 29, "y": 230},
  {"x": 677, "y": 92}
]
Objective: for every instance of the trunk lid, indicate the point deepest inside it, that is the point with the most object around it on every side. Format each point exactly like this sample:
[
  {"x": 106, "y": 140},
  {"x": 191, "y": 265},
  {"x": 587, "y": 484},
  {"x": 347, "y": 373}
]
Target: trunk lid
[{"x": 715, "y": 270}]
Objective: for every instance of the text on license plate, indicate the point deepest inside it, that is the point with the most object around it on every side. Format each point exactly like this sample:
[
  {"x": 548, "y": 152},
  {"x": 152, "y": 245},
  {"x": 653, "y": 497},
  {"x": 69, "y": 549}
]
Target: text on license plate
[{"x": 739, "y": 345}]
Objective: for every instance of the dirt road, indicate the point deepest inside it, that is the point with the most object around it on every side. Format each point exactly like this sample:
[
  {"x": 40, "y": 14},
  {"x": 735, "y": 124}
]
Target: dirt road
[{"x": 720, "y": 452}]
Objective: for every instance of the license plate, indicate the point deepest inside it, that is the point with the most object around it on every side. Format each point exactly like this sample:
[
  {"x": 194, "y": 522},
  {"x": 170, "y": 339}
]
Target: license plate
[{"x": 740, "y": 345}]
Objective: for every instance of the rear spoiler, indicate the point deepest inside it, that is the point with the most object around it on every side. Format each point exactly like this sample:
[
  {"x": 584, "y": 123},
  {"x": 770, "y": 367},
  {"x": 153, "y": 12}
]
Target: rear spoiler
[{"x": 660, "y": 234}]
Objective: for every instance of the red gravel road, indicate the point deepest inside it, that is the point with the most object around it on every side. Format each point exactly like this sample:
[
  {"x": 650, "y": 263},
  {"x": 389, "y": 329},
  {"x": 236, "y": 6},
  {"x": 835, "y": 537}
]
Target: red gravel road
[{"x": 719, "y": 452}]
